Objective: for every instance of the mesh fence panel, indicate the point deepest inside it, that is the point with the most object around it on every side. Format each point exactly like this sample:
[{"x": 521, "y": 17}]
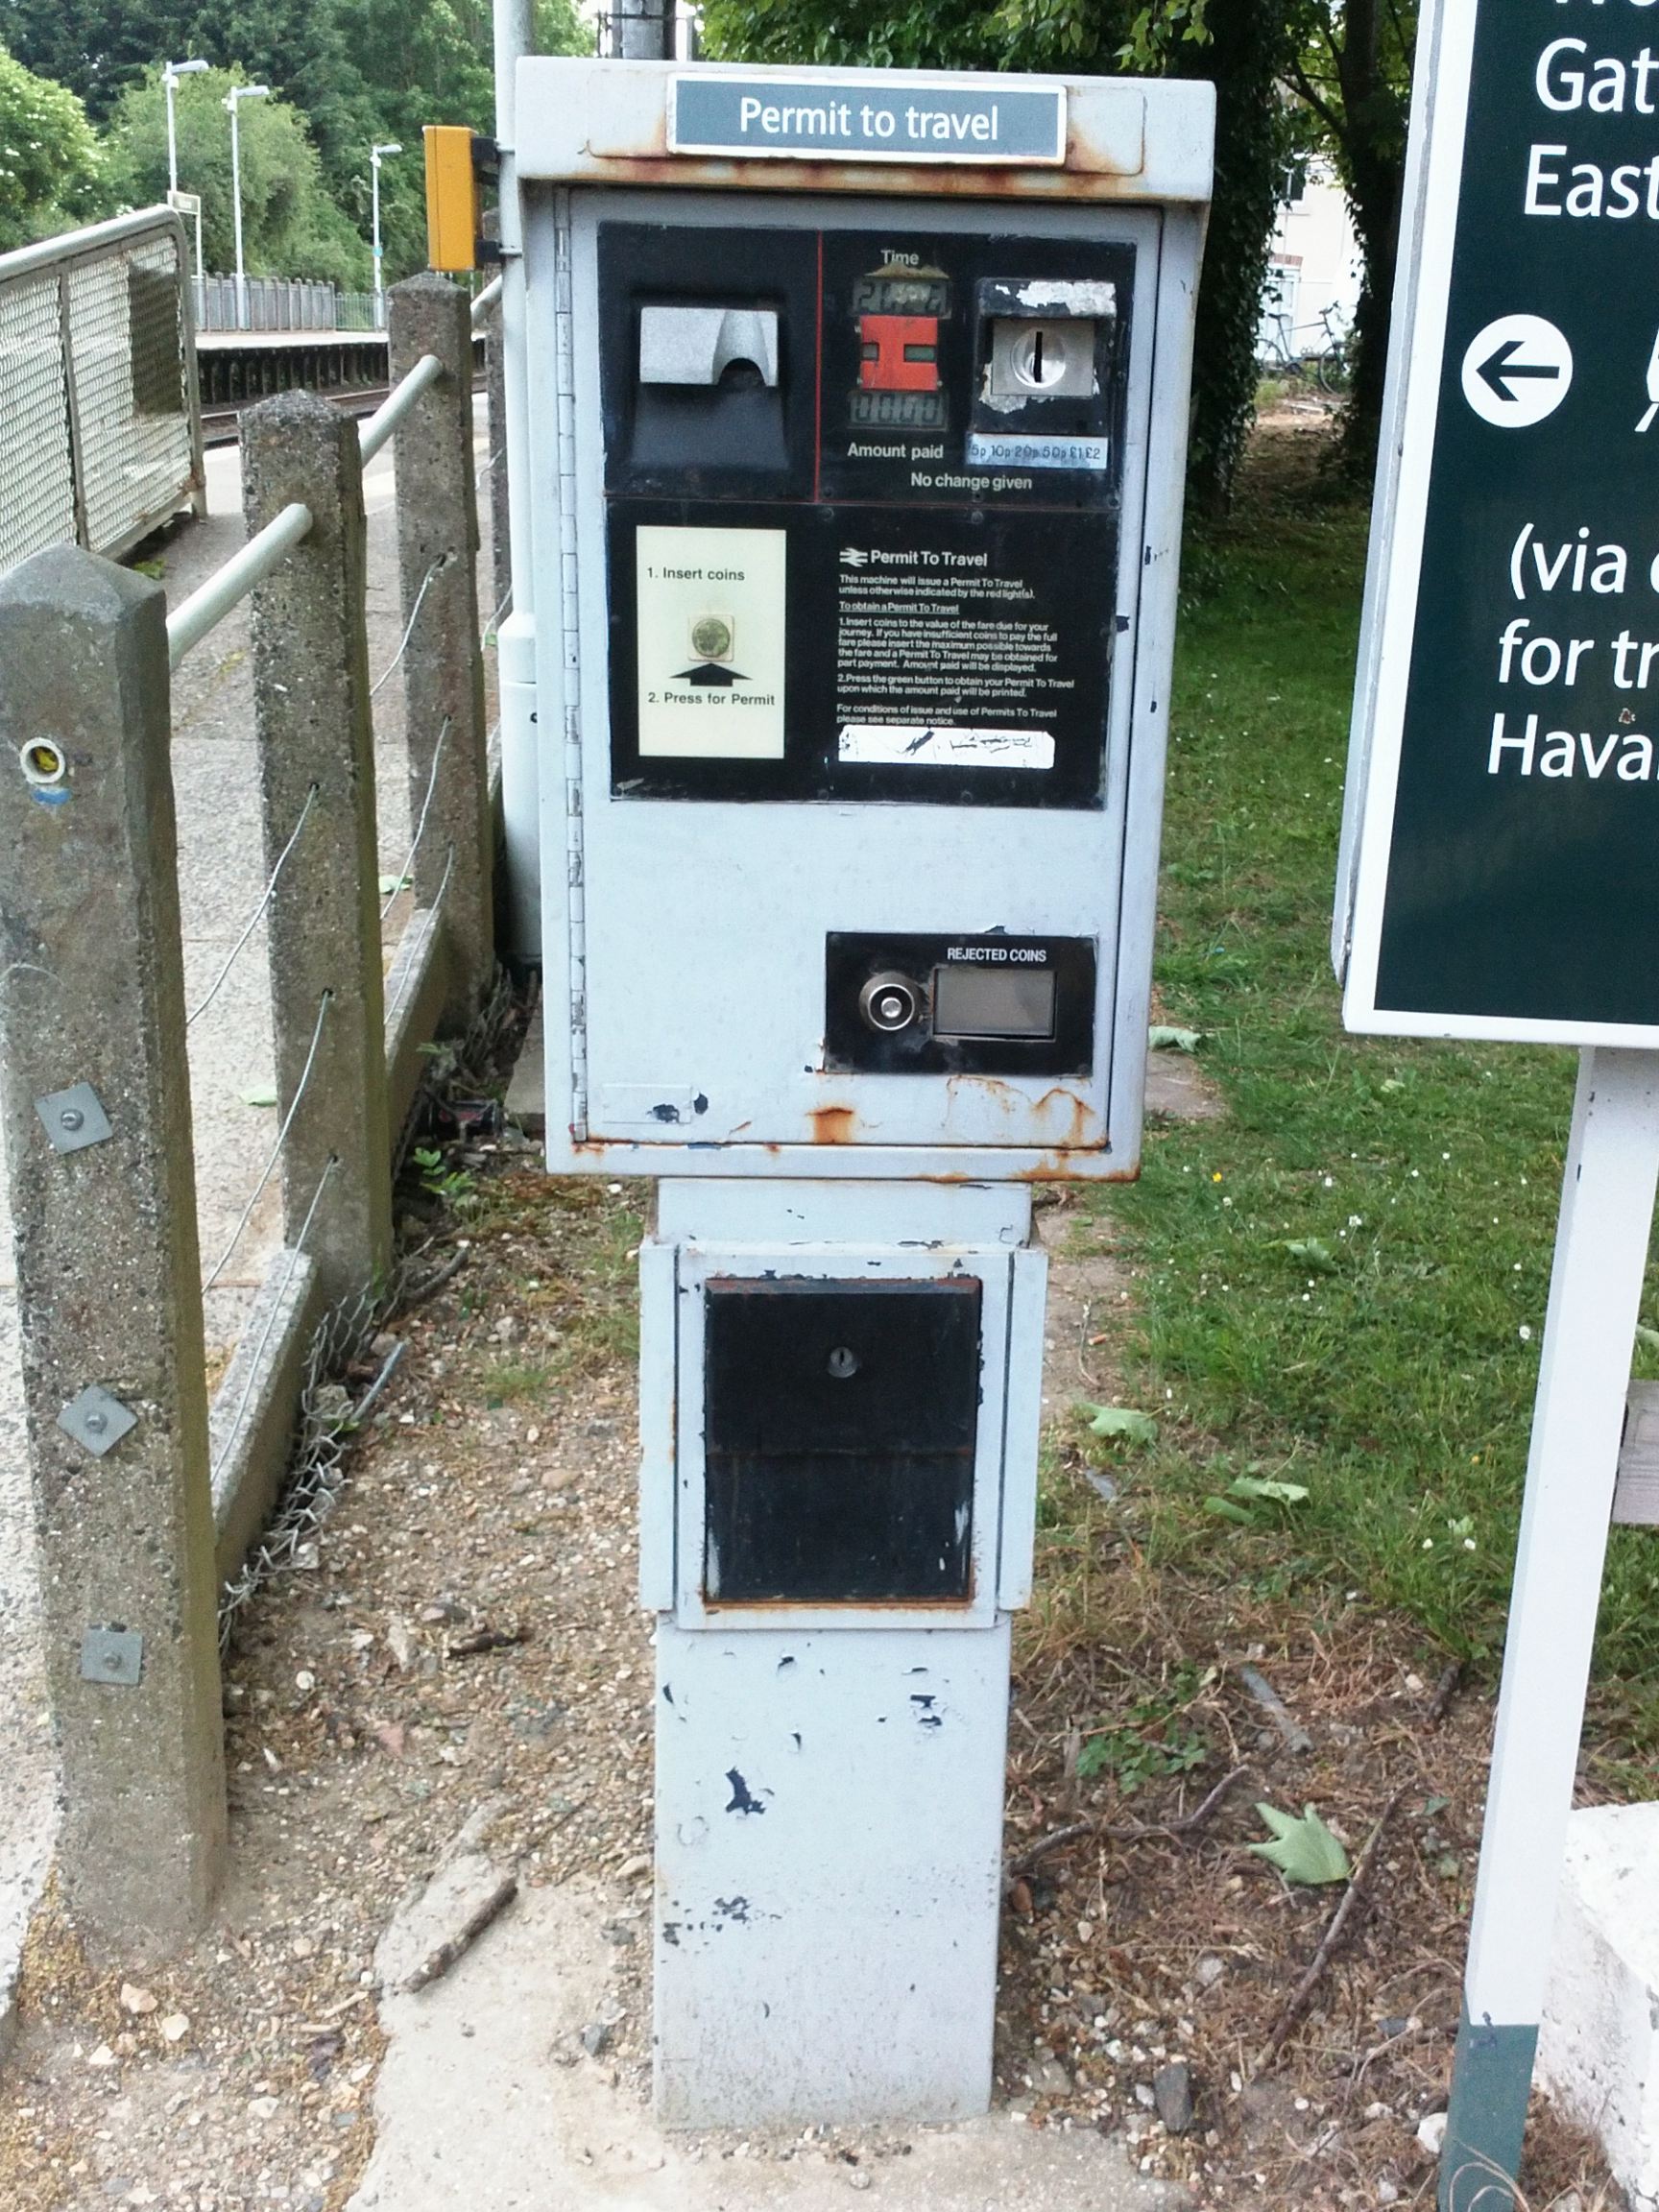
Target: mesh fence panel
[
  {"x": 135, "y": 459},
  {"x": 37, "y": 469}
]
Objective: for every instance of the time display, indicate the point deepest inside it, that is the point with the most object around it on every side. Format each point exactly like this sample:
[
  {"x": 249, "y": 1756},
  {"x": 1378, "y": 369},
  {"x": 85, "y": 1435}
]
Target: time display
[
  {"x": 897, "y": 410},
  {"x": 901, "y": 295}
]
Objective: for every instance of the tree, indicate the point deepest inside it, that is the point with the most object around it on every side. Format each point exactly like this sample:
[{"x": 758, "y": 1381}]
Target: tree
[
  {"x": 1353, "y": 69},
  {"x": 1243, "y": 45},
  {"x": 50, "y": 171},
  {"x": 291, "y": 226},
  {"x": 362, "y": 71}
]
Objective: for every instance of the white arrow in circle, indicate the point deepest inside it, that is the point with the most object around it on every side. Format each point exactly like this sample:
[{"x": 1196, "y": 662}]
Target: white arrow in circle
[{"x": 1517, "y": 371}]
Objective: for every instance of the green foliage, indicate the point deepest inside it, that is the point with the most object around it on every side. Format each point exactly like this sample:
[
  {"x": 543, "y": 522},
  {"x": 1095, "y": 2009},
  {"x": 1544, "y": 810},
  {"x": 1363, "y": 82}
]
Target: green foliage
[
  {"x": 1397, "y": 1386},
  {"x": 50, "y": 173},
  {"x": 358, "y": 72},
  {"x": 1245, "y": 1492},
  {"x": 291, "y": 226},
  {"x": 1250, "y": 46},
  {"x": 1120, "y": 1424},
  {"x": 1150, "y": 1741},
  {"x": 1244, "y": 46},
  {"x": 1352, "y": 72},
  {"x": 1303, "y": 1850}
]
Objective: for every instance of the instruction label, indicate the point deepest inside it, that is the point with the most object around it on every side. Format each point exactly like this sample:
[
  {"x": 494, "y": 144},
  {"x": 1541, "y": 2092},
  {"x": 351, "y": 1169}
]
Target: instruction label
[
  {"x": 710, "y": 620},
  {"x": 947, "y": 653}
]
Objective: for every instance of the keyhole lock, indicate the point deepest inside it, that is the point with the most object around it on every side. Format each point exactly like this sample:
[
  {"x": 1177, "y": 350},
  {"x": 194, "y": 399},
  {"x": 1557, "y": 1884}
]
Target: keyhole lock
[
  {"x": 890, "y": 1004},
  {"x": 843, "y": 1363}
]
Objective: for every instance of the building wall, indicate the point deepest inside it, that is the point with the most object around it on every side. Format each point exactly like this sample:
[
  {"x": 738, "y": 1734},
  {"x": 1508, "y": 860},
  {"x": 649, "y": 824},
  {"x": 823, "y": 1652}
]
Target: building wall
[{"x": 1315, "y": 268}]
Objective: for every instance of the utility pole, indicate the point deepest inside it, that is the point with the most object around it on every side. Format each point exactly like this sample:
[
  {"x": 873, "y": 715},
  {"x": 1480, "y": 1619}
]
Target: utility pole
[
  {"x": 643, "y": 30},
  {"x": 375, "y": 154}
]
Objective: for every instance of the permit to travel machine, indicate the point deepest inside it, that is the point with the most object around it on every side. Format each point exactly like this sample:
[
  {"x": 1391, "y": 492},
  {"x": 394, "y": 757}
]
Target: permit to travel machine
[{"x": 857, "y": 417}]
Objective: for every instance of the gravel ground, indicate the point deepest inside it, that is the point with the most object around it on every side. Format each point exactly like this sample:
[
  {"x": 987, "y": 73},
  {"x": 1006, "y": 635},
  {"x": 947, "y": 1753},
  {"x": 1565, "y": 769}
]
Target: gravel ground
[{"x": 459, "y": 1647}]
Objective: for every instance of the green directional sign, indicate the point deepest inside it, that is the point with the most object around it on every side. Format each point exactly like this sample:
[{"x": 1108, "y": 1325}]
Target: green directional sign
[{"x": 1500, "y": 870}]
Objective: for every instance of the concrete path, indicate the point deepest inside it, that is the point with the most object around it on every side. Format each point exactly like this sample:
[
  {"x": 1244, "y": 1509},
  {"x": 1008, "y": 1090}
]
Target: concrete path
[
  {"x": 222, "y": 876},
  {"x": 501, "y": 2035}
]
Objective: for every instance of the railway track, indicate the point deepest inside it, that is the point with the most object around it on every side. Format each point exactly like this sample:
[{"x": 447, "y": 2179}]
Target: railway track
[{"x": 219, "y": 423}]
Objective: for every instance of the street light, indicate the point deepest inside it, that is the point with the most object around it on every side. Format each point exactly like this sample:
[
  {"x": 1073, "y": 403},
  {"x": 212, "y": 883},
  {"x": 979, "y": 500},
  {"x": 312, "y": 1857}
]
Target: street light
[
  {"x": 236, "y": 94},
  {"x": 375, "y": 154},
  {"x": 171, "y": 72}
]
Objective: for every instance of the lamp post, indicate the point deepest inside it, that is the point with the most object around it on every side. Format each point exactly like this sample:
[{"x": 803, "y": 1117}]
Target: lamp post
[
  {"x": 236, "y": 94},
  {"x": 375, "y": 156},
  {"x": 171, "y": 72}
]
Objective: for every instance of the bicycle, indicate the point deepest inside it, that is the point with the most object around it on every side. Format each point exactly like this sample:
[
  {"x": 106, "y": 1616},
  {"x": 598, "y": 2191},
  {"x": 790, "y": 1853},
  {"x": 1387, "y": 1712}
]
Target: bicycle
[{"x": 1322, "y": 365}]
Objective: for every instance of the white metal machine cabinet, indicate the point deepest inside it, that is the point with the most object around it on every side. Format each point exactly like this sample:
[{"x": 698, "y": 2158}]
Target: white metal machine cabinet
[{"x": 858, "y": 408}]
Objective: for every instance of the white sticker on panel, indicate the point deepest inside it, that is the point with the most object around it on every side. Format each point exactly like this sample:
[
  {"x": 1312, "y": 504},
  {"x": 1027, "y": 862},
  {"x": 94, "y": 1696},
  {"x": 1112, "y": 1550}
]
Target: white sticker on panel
[
  {"x": 907, "y": 745},
  {"x": 710, "y": 643}
]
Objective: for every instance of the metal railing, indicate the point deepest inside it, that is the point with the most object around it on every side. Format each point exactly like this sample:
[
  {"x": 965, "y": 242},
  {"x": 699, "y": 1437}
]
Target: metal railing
[
  {"x": 99, "y": 430},
  {"x": 200, "y": 614},
  {"x": 284, "y": 303}
]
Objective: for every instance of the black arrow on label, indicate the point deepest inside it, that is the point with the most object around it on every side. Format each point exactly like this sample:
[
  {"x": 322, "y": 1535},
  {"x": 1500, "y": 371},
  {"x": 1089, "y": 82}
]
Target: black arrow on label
[{"x": 1500, "y": 370}]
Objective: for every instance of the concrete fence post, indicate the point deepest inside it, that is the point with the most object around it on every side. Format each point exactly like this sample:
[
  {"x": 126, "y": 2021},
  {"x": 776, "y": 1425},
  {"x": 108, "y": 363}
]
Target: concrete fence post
[
  {"x": 95, "y": 1095},
  {"x": 316, "y": 739},
  {"x": 442, "y": 661}
]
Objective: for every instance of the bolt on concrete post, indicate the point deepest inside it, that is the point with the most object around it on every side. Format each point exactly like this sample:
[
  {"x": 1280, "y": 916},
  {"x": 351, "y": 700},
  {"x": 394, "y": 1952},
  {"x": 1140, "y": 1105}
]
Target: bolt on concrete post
[
  {"x": 443, "y": 663},
  {"x": 108, "y": 1273},
  {"x": 316, "y": 735},
  {"x": 501, "y": 519}
]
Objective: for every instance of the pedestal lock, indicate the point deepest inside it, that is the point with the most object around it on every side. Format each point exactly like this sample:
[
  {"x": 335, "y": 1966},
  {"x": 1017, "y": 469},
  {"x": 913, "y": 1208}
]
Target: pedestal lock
[{"x": 890, "y": 1004}]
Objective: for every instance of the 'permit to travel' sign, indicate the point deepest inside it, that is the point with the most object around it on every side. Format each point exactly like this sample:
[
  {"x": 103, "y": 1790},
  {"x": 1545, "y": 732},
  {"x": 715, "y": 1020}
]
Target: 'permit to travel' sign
[
  {"x": 843, "y": 119},
  {"x": 1500, "y": 856}
]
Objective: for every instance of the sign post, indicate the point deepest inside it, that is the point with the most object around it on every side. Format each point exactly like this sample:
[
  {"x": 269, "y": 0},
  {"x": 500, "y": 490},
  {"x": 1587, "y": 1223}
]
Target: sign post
[{"x": 1499, "y": 872}]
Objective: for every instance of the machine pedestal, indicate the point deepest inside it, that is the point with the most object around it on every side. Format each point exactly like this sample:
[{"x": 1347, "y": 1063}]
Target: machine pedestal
[
  {"x": 840, "y": 1387},
  {"x": 828, "y": 1873}
]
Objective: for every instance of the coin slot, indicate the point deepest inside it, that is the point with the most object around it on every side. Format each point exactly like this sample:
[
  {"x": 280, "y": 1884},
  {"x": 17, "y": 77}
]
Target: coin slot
[{"x": 1042, "y": 360}]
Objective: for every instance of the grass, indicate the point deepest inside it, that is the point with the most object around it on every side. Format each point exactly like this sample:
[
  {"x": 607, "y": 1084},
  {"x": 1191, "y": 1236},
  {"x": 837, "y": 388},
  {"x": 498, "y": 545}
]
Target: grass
[{"x": 1343, "y": 1284}]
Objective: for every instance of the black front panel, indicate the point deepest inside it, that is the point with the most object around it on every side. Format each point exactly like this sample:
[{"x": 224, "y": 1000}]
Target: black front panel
[
  {"x": 898, "y": 1004},
  {"x": 863, "y": 495},
  {"x": 839, "y": 1424}
]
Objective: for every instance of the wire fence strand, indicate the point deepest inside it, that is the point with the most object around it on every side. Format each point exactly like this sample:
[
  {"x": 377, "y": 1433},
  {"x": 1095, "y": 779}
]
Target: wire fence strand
[
  {"x": 414, "y": 966},
  {"x": 405, "y": 873},
  {"x": 257, "y": 1364},
  {"x": 323, "y": 1004},
  {"x": 443, "y": 562},
  {"x": 257, "y": 915}
]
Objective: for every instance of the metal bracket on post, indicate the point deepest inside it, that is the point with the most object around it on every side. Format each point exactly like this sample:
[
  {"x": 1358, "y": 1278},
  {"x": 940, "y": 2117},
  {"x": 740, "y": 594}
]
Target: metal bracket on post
[
  {"x": 73, "y": 1118},
  {"x": 97, "y": 1420},
  {"x": 114, "y": 1655}
]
